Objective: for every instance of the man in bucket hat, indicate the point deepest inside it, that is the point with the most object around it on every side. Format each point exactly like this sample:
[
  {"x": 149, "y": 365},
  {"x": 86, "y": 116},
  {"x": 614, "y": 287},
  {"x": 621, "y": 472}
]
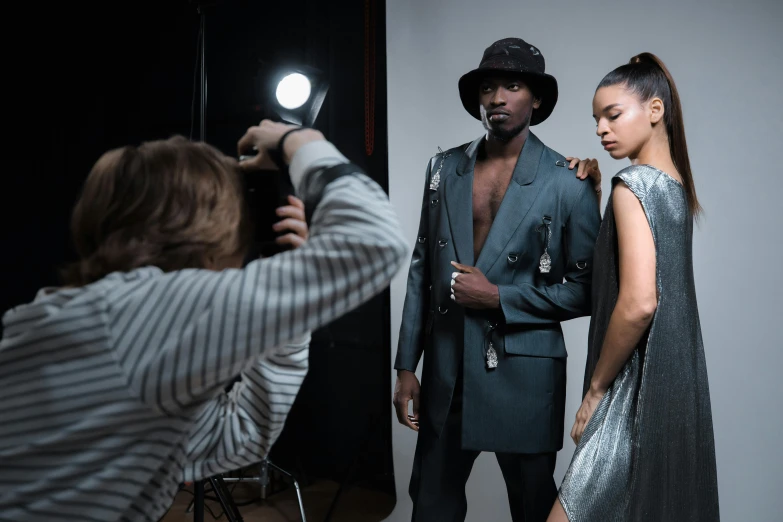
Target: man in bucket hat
[{"x": 504, "y": 254}]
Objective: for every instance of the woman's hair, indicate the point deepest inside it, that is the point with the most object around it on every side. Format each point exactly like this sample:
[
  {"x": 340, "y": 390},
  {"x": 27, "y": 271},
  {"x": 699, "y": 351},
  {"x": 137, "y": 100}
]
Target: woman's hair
[
  {"x": 173, "y": 204},
  {"x": 647, "y": 77}
]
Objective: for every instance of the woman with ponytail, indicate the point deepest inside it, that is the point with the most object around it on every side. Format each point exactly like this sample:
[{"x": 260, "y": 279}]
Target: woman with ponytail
[{"x": 645, "y": 445}]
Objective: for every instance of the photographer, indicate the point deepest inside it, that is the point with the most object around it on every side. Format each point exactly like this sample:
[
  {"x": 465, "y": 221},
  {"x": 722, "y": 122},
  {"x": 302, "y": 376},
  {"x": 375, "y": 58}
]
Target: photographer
[{"x": 111, "y": 388}]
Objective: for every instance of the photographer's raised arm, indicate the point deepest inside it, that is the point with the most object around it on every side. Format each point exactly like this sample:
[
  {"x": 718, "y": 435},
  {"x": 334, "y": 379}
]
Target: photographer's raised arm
[
  {"x": 182, "y": 336},
  {"x": 237, "y": 429}
]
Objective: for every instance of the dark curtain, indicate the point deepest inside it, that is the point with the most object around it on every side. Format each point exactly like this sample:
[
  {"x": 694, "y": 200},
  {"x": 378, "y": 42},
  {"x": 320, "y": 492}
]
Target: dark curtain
[{"x": 85, "y": 79}]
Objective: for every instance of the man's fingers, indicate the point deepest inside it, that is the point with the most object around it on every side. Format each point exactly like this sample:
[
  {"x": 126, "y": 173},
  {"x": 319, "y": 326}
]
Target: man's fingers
[
  {"x": 294, "y": 225},
  {"x": 454, "y": 285},
  {"x": 414, "y": 419},
  {"x": 293, "y": 240},
  {"x": 291, "y": 211},
  {"x": 401, "y": 406},
  {"x": 260, "y": 161},
  {"x": 462, "y": 268},
  {"x": 411, "y": 421},
  {"x": 296, "y": 202},
  {"x": 246, "y": 142},
  {"x": 573, "y": 161}
]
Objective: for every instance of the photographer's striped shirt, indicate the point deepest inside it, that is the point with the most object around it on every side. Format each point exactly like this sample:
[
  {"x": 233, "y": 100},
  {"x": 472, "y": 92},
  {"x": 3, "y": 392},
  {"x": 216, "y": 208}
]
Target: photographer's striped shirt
[{"x": 111, "y": 395}]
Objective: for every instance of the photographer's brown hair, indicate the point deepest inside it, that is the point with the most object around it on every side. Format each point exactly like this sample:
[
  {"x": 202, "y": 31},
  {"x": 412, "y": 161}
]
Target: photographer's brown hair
[{"x": 173, "y": 204}]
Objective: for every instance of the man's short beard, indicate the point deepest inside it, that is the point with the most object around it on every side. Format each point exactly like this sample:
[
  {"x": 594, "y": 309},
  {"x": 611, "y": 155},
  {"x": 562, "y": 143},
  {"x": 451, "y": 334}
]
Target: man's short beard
[{"x": 505, "y": 136}]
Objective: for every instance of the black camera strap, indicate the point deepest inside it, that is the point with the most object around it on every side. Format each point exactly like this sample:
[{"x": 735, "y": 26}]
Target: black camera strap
[
  {"x": 317, "y": 184},
  {"x": 276, "y": 154}
]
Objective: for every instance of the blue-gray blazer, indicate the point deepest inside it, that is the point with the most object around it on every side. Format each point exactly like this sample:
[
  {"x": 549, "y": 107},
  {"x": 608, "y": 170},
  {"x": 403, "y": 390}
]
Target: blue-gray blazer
[{"x": 519, "y": 406}]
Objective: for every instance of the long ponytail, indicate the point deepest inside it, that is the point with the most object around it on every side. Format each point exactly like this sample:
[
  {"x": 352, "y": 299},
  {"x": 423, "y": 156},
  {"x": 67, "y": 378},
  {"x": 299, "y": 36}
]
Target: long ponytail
[{"x": 648, "y": 77}]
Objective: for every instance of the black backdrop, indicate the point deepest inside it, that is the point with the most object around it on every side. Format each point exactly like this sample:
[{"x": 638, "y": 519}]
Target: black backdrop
[{"x": 82, "y": 79}]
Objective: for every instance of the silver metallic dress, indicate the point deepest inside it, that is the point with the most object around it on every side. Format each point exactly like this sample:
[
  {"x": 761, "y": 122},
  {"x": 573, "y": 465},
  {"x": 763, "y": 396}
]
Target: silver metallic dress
[{"x": 648, "y": 452}]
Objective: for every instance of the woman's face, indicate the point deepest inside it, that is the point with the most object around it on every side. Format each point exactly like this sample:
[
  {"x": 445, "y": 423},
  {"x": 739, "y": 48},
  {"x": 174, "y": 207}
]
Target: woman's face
[{"x": 623, "y": 122}]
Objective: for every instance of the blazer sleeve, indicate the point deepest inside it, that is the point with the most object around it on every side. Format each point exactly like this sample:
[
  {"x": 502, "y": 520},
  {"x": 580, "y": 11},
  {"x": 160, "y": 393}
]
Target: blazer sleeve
[
  {"x": 417, "y": 301},
  {"x": 528, "y": 304}
]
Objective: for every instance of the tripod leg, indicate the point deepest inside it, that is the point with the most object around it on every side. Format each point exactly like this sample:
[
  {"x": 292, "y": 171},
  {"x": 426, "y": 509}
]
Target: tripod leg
[
  {"x": 237, "y": 516},
  {"x": 299, "y": 498},
  {"x": 198, "y": 501},
  {"x": 333, "y": 505},
  {"x": 224, "y": 497}
]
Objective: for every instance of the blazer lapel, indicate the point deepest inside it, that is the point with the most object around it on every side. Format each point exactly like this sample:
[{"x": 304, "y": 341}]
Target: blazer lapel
[
  {"x": 458, "y": 196},
  {"x": 519, "y": 197}
]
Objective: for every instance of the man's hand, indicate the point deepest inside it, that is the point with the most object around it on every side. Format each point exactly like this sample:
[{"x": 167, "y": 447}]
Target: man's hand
[
  {"x": 471, "y": 289},
  {"x": 265, "y": 137},
  {"x": 587, "y": 168},
  {"x": 407, "y": 389},
  {"x": 294, "y": 222}
]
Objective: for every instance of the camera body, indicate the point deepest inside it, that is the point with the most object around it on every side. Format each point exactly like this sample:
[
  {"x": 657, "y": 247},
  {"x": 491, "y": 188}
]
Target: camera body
[{"x": 265, "y": 191}]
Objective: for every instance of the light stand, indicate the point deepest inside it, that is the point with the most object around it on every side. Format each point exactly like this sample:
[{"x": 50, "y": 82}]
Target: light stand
[
  {"x": 218, "y": 486},
  {"x": 218, "y": 482},
  {"x": 263, "y": 480},
  {"x": 203, "y": 84}
]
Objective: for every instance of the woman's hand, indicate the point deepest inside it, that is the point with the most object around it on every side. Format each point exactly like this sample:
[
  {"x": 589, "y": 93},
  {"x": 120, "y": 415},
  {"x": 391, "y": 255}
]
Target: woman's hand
[
  {"x": 586, "y": 410},
  {"x": 588, "y": 167},
  {"x": 293, "y": 220}
]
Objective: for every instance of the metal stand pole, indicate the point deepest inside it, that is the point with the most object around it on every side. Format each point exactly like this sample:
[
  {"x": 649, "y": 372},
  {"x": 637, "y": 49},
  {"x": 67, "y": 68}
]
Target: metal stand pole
[
  {"x": 263, "y": 480},
  {"x": 198, "y": 501},
  {"x": 203, "y": 89}
]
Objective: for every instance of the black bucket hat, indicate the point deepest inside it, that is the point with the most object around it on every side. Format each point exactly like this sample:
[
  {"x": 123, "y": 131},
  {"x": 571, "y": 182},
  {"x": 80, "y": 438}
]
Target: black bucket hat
[{"x": 516, "y": 56}]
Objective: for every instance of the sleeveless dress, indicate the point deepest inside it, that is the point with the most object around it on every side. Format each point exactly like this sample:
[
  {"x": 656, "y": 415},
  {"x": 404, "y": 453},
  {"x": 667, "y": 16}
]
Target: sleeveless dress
[{"x": 648, "y": 452}]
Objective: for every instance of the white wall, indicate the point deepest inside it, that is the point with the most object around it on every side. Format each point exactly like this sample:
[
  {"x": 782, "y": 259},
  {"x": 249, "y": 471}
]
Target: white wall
[{"x": 726, "y": 59}]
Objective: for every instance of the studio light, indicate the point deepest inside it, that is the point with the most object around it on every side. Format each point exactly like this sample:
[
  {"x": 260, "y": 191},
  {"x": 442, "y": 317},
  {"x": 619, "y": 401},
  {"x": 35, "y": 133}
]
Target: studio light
[
  {"x": 290, "y": 92},
  {"x": 293, "y": 91}
]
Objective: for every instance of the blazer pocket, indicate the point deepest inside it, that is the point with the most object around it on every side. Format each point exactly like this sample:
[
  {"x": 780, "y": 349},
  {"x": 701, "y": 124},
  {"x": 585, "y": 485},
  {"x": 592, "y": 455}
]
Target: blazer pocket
[{"x": 538, "y": 342}]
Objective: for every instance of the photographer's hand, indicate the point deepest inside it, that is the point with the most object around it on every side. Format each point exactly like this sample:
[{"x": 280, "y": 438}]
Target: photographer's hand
[
  {"x": 266, "y": 136},
  {"x": 294, "y": 222}
]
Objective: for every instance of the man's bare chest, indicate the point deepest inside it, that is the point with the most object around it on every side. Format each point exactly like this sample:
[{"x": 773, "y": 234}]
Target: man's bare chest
[{"x": 489, "y": 188}]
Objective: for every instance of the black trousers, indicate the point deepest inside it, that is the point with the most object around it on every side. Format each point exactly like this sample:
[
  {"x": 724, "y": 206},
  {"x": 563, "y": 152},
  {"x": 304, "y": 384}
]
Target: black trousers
[{"x": 441, "y": 469}]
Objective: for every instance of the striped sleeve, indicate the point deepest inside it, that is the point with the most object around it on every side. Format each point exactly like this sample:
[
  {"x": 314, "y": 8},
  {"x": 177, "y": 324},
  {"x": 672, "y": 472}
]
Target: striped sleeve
[
  {"x": 238, "y": 428},
  {"x": 182, "y": 336}
]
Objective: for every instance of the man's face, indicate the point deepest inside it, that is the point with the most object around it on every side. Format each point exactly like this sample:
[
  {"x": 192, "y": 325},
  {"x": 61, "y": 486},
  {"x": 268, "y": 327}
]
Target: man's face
[{"x": 506, "y": 106}]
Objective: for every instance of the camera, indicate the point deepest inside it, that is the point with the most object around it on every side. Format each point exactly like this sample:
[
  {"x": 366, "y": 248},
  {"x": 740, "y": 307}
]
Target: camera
[{"x": 264, "y": 191}]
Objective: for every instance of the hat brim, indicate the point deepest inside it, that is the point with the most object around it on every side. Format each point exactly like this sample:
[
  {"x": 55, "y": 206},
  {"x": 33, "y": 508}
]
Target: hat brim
[{"x": 544, "y": 85}]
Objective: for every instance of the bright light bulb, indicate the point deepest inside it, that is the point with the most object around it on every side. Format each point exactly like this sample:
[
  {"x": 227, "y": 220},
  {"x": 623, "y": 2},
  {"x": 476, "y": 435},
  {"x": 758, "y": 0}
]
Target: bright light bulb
[{"x": 293, "y": 91}]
